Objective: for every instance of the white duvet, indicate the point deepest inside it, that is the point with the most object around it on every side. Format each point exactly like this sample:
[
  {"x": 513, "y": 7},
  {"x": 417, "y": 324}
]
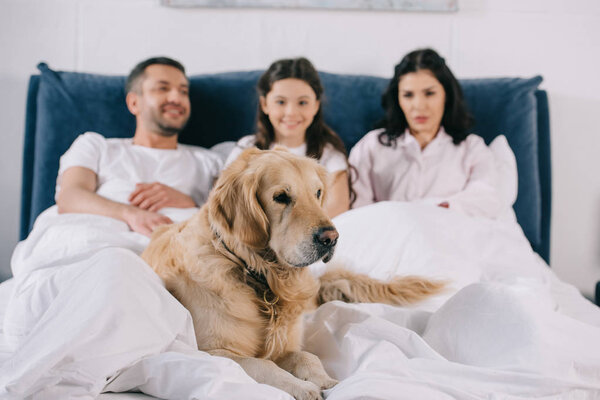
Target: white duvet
[{"x": 506, "y": 328}]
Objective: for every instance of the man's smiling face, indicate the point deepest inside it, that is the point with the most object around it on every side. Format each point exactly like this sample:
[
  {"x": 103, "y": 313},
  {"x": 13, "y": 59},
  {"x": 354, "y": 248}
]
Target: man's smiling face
[{"x": 163, "y": 100}]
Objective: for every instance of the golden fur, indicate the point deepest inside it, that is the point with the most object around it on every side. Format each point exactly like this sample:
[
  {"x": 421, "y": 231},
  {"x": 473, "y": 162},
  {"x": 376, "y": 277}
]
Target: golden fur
[{"x": 265, "y": 214}]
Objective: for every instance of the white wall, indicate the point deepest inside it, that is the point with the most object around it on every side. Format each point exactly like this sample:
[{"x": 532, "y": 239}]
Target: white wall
[{"x": 557, "y": 39}]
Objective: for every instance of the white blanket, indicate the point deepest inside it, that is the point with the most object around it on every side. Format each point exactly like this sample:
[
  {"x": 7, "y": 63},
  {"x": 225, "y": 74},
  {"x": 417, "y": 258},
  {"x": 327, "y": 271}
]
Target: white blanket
[
  {"x": 87, "y": 315},
  {"x": 506, "y": 328}
]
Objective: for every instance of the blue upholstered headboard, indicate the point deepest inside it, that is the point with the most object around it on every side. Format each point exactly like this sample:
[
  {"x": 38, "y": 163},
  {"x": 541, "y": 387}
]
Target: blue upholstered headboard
[{"x": 62, "y": 105}]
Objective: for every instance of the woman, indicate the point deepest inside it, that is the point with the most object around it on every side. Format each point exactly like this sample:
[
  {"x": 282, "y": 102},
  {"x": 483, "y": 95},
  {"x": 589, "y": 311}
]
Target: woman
[
  {"x": 423, "y": 151},
  {"x": 289, "y": 114}
]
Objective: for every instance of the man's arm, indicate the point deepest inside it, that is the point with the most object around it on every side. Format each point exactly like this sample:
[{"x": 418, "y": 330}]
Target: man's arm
[{"x": 78, "y": 195}]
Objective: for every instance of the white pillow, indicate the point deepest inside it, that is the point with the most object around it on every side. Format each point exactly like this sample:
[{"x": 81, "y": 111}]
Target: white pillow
[{"x": 506, "y": 164}]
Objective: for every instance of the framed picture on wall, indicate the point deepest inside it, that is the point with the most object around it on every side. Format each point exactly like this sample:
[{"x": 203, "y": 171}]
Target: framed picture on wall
[{"x": 365, "y": 5}]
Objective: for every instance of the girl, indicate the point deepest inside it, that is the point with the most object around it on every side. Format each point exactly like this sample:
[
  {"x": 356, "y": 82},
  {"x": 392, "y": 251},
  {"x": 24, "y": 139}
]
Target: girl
[{"x": 289, "y": 114}]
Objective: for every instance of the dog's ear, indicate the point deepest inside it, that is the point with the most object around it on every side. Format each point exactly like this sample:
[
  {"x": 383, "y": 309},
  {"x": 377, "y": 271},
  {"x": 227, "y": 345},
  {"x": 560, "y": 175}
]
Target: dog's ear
[{"x": 234, "y": 208}]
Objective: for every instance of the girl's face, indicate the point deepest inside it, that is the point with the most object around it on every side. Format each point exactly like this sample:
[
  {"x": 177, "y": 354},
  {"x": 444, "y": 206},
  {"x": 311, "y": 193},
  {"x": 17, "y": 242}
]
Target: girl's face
[
  {"x": 422, "y": 98},
  {"x": 291, "y": 106}
]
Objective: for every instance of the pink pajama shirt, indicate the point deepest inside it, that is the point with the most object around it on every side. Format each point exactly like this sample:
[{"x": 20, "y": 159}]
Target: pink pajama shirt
[{"x": 463, "y": 175}]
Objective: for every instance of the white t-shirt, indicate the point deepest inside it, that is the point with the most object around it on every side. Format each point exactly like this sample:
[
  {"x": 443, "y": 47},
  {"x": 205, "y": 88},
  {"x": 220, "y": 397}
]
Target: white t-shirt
[
  {"x": 332, "y": 159},
  {"x": 463, "y": 175},
  {"x": 120, "y": 164}
]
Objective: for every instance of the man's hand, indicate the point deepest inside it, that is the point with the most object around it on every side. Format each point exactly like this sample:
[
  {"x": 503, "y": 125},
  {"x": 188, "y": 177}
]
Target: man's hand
[
  {"x": 154, "y": 196},
  {"x": 144, "y": 222}
]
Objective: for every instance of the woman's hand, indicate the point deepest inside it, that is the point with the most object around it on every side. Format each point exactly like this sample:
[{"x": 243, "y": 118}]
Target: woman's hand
[{"x": 154, "y": 196}]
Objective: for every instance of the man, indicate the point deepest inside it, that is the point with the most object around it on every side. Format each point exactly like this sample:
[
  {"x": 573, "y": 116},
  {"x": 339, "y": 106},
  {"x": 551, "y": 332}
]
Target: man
[
  {"x": 87, "y": 315},
  {"x": 94, "y": 173}
]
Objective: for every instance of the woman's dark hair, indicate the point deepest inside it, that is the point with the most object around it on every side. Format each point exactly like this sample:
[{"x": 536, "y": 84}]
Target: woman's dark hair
[
  {"x": 456, "y": 119},
  {"x": 318, "y": 134}
]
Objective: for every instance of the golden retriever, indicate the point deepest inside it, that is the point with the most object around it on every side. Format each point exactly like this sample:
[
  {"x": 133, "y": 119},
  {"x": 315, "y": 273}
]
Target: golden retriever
[{"x": 238, "y": 267}]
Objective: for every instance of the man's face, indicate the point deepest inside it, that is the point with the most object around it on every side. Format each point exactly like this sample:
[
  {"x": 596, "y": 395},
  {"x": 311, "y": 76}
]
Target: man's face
[{"x": 163, "y": 102}]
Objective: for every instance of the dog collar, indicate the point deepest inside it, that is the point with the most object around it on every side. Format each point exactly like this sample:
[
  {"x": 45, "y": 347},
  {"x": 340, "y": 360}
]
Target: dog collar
[{"x": 258, "y": 281}]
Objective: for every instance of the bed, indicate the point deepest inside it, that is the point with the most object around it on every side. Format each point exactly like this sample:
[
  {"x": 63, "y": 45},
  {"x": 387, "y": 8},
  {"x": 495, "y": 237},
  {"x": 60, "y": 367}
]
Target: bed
[{"x": 505, "y": 328}]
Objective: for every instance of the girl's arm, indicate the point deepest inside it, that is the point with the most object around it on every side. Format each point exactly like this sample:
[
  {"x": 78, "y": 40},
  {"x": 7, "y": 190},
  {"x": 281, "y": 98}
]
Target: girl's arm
[{"x": 338, "y": 198}]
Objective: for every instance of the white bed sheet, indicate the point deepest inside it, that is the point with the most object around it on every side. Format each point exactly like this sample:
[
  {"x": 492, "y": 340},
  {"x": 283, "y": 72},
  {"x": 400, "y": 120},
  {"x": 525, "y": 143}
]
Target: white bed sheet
[
  {"x": 124, "y": 396},
  {"x": 506, "y": 328}
]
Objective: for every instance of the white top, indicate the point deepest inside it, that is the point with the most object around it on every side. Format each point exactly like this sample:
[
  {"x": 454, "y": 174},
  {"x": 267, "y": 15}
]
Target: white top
[
  {"x": 463, "y": 175},
  {"x": 332, "y": 159},
  {"x": 120, "y": 164}
]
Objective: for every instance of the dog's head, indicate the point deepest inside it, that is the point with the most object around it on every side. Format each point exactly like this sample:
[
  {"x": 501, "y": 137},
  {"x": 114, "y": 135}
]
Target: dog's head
[{"x": 274, "y": 200}]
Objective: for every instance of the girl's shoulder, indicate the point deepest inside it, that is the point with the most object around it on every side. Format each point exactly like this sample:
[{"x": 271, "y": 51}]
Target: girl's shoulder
[
  {"x": 332, "y": 159},
  {"x": 242, "y": 144},
  {"x": 246, "y": 141}
]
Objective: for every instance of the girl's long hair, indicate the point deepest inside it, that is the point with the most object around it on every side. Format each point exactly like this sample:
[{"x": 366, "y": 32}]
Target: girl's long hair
[{"x": 318, "y": 134}]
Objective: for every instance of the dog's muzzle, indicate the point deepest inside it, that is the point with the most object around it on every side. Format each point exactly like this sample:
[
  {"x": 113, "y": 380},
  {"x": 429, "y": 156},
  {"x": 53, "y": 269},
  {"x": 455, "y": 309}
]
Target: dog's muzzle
[{"x": 325, "y": 240}]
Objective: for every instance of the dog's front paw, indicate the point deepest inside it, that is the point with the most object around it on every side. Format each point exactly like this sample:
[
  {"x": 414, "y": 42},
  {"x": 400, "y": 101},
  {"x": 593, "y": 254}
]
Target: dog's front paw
[
  {"x": 325, "y": 382},
  {"x": 308, "y": 367},
  {"x": 305, "y": 390}
]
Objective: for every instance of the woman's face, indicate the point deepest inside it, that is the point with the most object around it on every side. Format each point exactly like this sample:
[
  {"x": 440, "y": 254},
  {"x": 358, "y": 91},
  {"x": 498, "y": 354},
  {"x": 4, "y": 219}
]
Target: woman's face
[
  {"x": 291, "y": 106},
  {"x": 422, "y": 97}
]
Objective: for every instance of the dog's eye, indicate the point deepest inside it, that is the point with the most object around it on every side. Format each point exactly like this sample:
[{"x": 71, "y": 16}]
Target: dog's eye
[
  {"x": 319, "y": 194},
  {"x": 282, "y": 198}
]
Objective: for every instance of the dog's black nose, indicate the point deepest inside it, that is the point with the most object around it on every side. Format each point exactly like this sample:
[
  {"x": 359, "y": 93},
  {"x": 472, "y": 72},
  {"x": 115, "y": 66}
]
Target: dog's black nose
[{"x": 326, "y": 236}]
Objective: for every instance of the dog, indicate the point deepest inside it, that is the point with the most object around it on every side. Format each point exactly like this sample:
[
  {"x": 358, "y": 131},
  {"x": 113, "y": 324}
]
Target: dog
[{"x": 238, "y": 266}]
